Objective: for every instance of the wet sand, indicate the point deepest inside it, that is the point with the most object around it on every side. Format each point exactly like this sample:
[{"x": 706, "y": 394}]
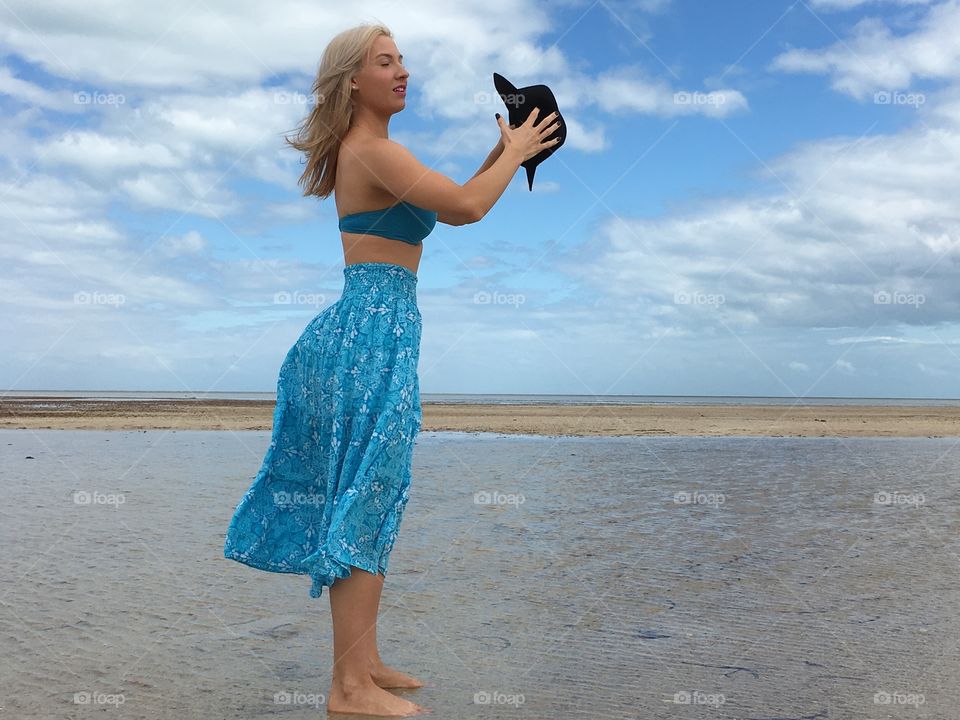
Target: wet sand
[
  {"x": 584, "y": 420},
  {"x": 534, "y": 577}
]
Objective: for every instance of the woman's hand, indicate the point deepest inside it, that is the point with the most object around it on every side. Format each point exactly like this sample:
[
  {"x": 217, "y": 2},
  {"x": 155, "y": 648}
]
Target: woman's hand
[
  {"x": 528, "y": 140},
  {"x": 498, "y": 148}
]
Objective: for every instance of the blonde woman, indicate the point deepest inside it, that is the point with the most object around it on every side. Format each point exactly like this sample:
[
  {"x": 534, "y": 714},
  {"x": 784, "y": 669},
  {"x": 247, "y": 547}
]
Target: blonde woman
[{"x": 330, "y": 495}]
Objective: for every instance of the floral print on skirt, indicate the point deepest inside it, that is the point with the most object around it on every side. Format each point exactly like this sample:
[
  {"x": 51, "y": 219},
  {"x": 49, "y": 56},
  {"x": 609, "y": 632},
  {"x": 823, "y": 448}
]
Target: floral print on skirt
[{"x": 334, "y": 483}]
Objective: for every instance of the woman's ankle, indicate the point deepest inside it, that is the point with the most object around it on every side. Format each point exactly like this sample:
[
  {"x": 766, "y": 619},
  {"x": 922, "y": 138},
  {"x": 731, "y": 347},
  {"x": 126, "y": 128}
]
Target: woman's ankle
[{"x": 353, "y": 681}]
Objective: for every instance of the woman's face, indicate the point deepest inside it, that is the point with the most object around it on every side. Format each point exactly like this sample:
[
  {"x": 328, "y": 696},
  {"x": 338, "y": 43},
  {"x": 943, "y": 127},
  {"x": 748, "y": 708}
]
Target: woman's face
[{"x": 382, "y": 72}]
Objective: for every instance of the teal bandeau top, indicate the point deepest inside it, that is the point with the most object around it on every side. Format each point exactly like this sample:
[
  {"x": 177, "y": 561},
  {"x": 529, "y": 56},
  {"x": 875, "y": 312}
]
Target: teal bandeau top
[{"x": 402, "y": 221}]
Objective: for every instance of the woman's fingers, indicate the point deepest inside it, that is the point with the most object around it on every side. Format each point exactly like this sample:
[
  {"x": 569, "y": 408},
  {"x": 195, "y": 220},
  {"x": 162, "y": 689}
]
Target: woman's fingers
[
  {"x": 547, "y": 127},
  {"x": 549, "y": 130}
]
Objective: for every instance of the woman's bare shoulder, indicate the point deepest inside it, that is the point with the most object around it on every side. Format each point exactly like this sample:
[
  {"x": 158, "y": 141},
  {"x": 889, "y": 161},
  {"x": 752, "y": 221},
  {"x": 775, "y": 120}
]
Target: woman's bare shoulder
[{"x": 353, "y": 175}]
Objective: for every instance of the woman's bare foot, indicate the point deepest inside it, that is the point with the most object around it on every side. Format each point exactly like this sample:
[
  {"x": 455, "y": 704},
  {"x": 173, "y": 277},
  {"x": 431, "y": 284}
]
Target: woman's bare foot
[
  {"x": 369, "y": 699},
  {"x": 387, "y": 677}
]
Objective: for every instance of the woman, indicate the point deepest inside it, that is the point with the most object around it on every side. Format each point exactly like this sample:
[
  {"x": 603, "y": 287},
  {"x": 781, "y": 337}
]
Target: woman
[{"x": 333, "y": 486}]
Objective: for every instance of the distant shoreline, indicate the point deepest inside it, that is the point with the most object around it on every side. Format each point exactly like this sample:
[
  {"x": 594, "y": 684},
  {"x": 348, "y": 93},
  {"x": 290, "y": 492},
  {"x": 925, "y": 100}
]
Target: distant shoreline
[
  {"x": 779, "y": 420},
  {"x": 498, "y": 398}
]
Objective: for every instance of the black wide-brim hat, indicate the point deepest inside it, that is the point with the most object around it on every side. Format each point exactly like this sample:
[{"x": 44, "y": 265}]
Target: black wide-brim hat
[{"x": 520, "y": 103}]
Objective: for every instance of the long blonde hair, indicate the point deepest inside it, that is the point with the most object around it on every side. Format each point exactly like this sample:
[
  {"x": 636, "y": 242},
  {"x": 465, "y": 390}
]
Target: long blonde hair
[{"x": 319, "y": 134}]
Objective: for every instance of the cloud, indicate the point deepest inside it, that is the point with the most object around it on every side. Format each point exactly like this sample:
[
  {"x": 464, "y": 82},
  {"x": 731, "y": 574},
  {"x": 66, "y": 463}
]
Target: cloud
[
  {"x": 851, "y": 4},
  {"x": 874, "y": 59},
  {"x": 889, "y": 340},
  {"x": 31, "y": 93},
  {"x": 625, "y": 89},
  {"x": 96, "y": 153},
  {"x": 191, "y": 243},
  {"x": 579, "y": 137},
  {"x": 177, "y": 109},
  {"x": 857, "y": 231}
]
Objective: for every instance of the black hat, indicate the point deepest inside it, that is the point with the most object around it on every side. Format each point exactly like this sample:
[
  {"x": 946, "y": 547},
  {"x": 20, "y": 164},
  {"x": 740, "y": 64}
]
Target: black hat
[{"x": 520, "y": 103}]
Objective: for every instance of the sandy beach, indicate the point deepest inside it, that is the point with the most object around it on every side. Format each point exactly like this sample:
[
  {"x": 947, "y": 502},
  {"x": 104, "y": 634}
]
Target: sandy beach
[
  {"x": 581, "y": 578},
  {"x": 572, "y": 420}
]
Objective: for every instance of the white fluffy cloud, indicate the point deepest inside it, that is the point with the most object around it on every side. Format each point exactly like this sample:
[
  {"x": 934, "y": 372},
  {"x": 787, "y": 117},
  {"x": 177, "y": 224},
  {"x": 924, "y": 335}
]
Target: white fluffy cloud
[
  {"x": 876, "y": 59},
  {"x": 851, "y": 4},
  {"x": 626, "y": 89},
  {"x": 862, "y": 231}
]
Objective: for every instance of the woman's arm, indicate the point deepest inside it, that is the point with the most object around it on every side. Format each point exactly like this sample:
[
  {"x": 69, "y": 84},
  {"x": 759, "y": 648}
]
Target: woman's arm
[
  {"x": 487, "y": 164},
  {"x": 491, "y": 158},
  {"x": 394, "y": 168}
]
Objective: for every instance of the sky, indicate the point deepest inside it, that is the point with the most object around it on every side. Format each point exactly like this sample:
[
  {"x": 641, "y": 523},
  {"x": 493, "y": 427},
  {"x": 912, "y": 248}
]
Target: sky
[{"x": 756, "y": 197}]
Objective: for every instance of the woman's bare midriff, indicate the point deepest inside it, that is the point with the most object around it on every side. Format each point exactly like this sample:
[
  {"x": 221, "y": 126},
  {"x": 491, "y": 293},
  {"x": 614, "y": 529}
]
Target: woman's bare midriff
[
  {"x": 359, "y": 248},
  {"x": 359, "y": 197}
]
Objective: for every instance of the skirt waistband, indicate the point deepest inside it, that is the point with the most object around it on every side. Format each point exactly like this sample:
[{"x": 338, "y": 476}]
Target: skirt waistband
[{"x": 373, "y": 276}]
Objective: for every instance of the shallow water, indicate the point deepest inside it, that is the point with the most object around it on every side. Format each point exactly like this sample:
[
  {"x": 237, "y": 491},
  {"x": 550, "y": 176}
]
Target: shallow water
[{"x": 581, "y": 582}]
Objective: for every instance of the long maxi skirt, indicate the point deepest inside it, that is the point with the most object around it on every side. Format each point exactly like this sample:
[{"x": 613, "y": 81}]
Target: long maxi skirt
[{"x": 334, "y": 483}]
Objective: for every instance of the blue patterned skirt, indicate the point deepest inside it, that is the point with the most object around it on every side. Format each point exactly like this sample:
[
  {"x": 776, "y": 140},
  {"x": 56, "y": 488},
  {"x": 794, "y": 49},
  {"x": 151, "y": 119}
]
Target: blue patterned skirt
[{"x": 335, "y": 479}]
